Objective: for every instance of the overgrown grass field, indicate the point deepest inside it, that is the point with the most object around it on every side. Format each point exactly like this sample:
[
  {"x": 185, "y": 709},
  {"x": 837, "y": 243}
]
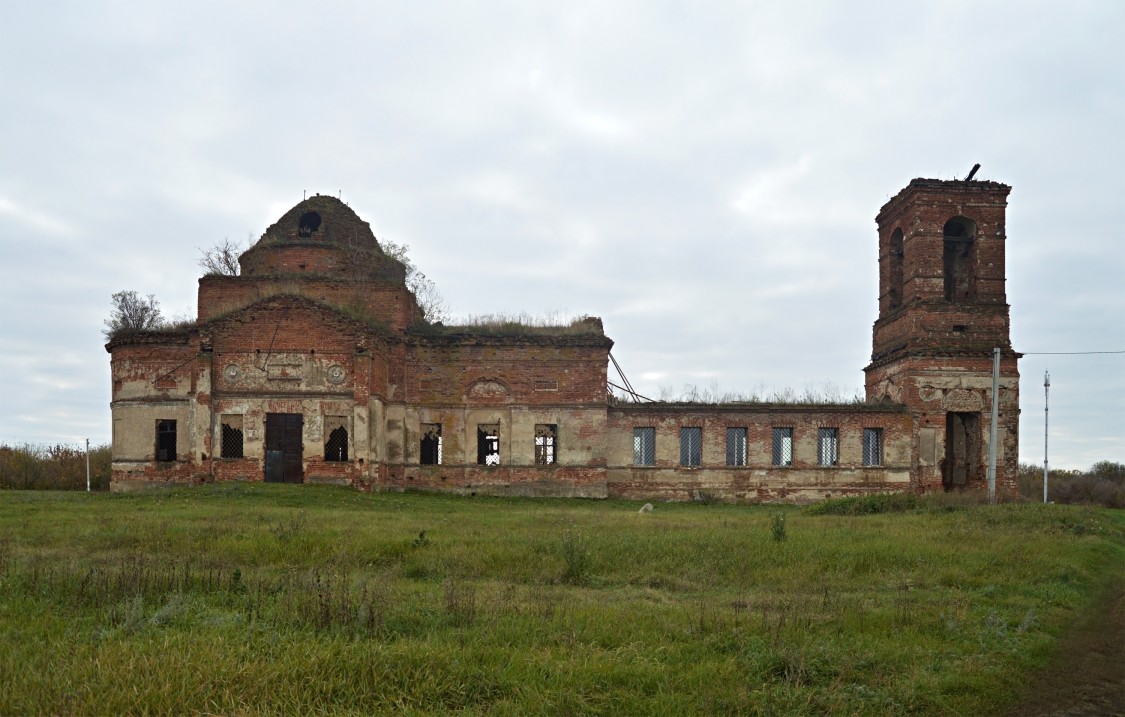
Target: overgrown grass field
[{"x": 243, "y": 599}]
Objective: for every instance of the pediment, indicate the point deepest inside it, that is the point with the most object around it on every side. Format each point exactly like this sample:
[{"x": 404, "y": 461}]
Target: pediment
[
  {"x": 297, "y": 307},
  {"x": 487, "y": 389},
  {"x": 286, "y": 326}
]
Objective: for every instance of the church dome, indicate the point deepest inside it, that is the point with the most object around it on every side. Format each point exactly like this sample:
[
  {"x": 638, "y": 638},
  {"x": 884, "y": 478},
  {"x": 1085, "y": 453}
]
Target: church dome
[
  {"x": 320, "y": 235},
  {"x": 321, "y": 219}
]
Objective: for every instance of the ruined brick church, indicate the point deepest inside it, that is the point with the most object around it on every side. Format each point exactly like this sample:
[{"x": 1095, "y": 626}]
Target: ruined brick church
[{"x": 314, "y": 364}]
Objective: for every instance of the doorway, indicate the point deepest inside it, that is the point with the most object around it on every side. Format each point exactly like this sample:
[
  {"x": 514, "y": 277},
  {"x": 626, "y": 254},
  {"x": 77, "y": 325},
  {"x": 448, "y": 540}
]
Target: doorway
[
  {"x": 284, "y": 448},
  {"x": 962, "y": 449}
]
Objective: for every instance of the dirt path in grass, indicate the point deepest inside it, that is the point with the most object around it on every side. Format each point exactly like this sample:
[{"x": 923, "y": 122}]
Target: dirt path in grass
[{"x": 1087, "y": 677}]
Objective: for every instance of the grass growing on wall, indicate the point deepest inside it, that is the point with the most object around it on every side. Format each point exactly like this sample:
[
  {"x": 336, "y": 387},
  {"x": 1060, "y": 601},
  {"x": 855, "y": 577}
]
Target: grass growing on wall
[{"x": 255, "y": 599}]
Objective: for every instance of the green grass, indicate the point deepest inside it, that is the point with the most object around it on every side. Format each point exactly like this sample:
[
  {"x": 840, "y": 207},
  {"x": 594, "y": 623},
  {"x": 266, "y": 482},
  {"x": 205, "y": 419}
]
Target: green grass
[
  {"x": 866, "y": 504},
  {"x": 253, "y": 599}
]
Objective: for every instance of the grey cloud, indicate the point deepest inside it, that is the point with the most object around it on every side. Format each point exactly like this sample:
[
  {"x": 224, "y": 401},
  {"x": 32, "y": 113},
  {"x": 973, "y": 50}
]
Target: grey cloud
[{"x": 705, "y": 179}]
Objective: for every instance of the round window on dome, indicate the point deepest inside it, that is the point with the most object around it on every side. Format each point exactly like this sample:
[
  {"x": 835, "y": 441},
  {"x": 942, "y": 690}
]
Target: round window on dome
[{"x": 308, "y": 223}]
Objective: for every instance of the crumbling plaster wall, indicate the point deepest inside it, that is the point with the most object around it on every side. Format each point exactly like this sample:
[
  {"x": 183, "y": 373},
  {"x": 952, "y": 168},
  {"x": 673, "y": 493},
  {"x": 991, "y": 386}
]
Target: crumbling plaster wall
[
  {"x": 931, "y": 388},
  {"x": 316, "y": 413},
  {"x": 293, "y": 357},
  {"x": 465, "y": 381},
  {"x": 759, "y": 479},
  {"x": 156, "y": 379}
]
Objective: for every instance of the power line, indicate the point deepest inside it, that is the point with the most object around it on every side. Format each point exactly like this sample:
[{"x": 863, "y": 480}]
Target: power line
[
  {"x": 1067, "y": 353},
  {"x": 163, "y": 376}
]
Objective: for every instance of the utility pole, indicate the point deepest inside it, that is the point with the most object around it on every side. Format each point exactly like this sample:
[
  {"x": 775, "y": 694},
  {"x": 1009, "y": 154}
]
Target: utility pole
[
  {"x": 87, "y": 465},
  {"x": 1046, "y": 398},
  {"x": 992, "y": 430}
]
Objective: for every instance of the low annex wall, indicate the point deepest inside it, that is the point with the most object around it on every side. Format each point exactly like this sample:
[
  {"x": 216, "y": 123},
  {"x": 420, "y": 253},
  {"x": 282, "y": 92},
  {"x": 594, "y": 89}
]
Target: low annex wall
[{"x": 675, "y": 470}]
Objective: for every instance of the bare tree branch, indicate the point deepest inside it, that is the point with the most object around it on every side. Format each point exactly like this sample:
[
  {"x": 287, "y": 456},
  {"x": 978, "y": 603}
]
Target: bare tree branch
[
  {"x": 434, "y": 307},
  {"x": 221, "y": 259},
  {"x": 132, "y": 312}
]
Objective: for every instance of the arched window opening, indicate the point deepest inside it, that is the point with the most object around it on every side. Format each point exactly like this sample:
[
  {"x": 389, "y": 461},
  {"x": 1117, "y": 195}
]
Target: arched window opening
[
  {"x": 897, "y": 254},
  {"x": 308, "y": 223},
  {"x": 230, "y": 445},
  {"x": 431, "y": 444},
  {"x": 959, "y": 259},
  {"x": 336, "y": 443}
]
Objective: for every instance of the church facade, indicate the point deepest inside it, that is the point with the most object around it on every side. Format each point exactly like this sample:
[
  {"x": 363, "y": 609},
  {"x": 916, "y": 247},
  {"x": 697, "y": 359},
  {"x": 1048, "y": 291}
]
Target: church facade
[{"x": 314, "y": 364}]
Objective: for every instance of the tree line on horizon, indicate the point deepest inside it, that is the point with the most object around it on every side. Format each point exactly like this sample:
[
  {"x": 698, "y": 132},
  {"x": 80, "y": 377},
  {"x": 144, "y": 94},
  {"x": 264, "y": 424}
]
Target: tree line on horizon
[
  {"x": 1102, "y": 484},
  {"x": 59, "y": 466}
]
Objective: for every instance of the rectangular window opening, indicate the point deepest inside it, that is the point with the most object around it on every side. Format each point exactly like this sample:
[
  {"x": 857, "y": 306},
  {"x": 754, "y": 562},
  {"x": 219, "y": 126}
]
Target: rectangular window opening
[
  {"x": 691, "y": 446},
  {"x": 431, "y": 444},
  {"x": 736, "y": 446},
  {"x": 872, "y": 446},
  {"x": 783, "y": 447},
  {"x": 644, "y": 446},
  {"x": 546, "y": 437},
  {"x": 336, "y": 439},
  {"x": 488, "y": 444},
  {"x": 165, "y": 440},
  {"x": 828, "y": 446},
  {"x": 230, "y": 438}
]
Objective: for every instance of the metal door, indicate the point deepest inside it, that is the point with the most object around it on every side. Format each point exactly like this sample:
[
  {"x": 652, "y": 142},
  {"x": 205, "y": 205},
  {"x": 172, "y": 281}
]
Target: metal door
[{"x": 284, "y": 448}]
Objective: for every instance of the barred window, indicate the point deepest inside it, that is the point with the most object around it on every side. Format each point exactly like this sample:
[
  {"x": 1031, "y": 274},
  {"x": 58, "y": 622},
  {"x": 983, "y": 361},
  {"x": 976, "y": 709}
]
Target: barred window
[
  {"x": 828, "y": 446},
  {"x": 165, "y": 440},
  {"x": 431, "y": 444},
  {"x": 783, "y": 446},
  {"x": 488, "y": 444},
  {"x": 872, "y": 446},
  {"x": 336, "y": 438},
  {"x": 691, "y": 446},
  {"x": 230, "y": 436},
  {"x": 546, "y": 435},
  {"x": 736, "y": 446},
  {"x": 644, "y": 446}
]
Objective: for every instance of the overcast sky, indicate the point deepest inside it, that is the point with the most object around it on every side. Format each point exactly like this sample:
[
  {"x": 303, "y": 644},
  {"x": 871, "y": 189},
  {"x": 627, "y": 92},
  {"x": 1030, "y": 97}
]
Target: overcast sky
[{"x": 703, "y": 176}]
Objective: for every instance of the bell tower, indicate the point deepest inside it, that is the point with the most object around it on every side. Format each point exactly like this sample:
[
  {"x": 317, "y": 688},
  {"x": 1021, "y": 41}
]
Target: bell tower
[{"x": 942, "y": 311}]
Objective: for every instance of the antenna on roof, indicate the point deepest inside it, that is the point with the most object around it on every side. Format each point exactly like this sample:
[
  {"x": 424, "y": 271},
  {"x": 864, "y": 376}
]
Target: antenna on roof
[{"x": 972, "y": 172}]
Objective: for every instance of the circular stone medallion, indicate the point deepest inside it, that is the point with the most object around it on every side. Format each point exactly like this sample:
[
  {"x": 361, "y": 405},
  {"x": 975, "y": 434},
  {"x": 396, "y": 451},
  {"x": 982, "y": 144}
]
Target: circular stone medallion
[
  {"x": 336, "y": 374},
  {"x": 232, "y": 373}
]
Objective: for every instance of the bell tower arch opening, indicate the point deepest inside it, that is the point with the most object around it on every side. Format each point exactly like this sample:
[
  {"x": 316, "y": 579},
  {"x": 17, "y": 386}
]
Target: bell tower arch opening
[
  {"x": 959, "y": 253},
  {"x": 896, "y": 257}
]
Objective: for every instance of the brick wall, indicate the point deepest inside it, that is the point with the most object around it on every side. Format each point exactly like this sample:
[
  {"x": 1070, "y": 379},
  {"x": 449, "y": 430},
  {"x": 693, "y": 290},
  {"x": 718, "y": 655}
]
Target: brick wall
[
  {"x": 321, "y": 324},
  {"x": 933, "y": 352},
  {"x": 759, "y": 479},
  {"x": 388, "y": 303},
  {"x": 921, "y": 211},
  {"x": 497, "y": 369}
]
